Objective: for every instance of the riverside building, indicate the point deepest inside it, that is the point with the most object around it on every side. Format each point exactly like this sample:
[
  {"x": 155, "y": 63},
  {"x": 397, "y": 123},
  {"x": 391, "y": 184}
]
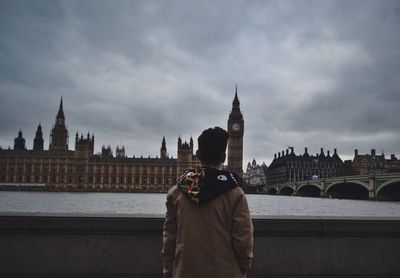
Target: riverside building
[
  {"x": 255, "y": 177},
  {"x": 60, "y": 168},
  {"x": 289, "y": 168},
  {"x": 373, "y": 163}
]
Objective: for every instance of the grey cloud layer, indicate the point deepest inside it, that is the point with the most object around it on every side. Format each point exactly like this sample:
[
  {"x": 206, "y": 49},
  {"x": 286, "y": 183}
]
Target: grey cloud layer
[{"x": 310, "y": 73}]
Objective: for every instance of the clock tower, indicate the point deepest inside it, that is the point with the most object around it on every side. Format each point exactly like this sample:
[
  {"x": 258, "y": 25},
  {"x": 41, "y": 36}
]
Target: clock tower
[
  {"x": 235, "y": 143},
  {"x": 59, "y": 133}
]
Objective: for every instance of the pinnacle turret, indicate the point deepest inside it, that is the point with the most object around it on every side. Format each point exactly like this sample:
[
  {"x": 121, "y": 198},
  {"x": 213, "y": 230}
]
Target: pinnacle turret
[
  {"x": 163, "y": 144},
  {"x": 163, "y": 150},
  {"x": 19, "y": 142},
  {"x": 38, "y": 140},
  {"x": 60, "y": 118}
]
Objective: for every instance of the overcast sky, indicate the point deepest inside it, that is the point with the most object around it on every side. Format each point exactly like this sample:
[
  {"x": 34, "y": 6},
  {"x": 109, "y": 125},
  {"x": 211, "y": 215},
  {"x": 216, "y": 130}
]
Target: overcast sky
[{"x": 309, "y": 73}]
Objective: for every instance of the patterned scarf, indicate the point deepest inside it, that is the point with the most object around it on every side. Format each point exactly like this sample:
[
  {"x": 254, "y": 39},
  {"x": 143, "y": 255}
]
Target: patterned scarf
[{"x": 190, "y": 183}]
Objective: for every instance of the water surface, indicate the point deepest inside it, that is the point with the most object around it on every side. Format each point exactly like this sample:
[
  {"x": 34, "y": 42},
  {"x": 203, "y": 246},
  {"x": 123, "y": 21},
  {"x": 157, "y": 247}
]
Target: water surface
[{"x": 154, "y": 204}]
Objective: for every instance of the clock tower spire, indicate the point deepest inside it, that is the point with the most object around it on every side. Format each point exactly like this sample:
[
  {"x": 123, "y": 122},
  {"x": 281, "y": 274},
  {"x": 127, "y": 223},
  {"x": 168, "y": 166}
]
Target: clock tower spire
[
  {"x": 59, "y": 133},
  {"x": 236, "y": 131}
]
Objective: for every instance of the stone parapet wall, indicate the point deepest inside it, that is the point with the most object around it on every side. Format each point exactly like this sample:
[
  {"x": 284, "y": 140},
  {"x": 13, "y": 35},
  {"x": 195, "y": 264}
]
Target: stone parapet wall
[{"x": 79, "y": 245}]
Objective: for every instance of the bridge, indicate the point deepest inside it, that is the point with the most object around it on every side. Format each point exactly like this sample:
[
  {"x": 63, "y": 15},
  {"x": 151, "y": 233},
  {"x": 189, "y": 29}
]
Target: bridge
[{"x": 384, "y": 187}]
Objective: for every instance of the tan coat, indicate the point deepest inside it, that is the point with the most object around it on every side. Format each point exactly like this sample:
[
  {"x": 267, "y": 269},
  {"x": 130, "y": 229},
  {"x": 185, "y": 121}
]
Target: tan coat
[{"x": 214, "y": 239}]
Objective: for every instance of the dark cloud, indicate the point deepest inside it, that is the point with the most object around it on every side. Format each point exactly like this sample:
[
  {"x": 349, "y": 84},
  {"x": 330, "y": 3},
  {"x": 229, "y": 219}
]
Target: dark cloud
[{"x": 310, "y": 73}]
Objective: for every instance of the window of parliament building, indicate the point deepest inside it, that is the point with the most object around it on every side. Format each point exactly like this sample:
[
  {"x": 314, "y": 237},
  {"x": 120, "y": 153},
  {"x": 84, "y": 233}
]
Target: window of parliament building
[{"x": 59, "y": 168}]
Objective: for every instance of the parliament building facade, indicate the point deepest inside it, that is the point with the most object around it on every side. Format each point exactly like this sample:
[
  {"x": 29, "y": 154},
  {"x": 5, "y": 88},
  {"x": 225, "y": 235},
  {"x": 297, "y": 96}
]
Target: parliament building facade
[
  {"x": 60, "y": 168},
  {"x": 289, "y": 168}
]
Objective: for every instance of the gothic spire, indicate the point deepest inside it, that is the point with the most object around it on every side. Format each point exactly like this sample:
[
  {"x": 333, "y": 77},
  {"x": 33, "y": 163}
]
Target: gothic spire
[
  {"x": 236, "y": 102},
  {"x": 163, "y": 150},
  {"x": 163, "y": 144},
  {"x": 59, "y": 133},
  {"x": 39, "y": 130},
  {"x": 61, "y": 105},
  {"x": 60, "y": 114},
  {"x": 235, "y": 113},
  {"x": 38, "y": 140}
]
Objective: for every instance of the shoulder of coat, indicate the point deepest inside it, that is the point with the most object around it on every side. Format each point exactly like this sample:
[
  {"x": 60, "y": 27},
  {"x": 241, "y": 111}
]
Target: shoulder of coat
[
  {"x": 172, "y": 190},
  {"x": 237, "y": 191}
]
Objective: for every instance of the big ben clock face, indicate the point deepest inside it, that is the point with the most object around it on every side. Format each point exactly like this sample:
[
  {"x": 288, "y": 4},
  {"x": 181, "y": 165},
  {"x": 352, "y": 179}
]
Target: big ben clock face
[{"x": 236, "y": 127}]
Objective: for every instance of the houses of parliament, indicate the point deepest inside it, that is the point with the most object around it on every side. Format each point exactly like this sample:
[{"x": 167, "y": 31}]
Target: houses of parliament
[{"x": 60, "y": 168}]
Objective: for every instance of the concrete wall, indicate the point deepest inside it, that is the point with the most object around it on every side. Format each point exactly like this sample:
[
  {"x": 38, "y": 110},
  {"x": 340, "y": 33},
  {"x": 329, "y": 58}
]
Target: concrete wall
[{"x": 43, "y": 245}]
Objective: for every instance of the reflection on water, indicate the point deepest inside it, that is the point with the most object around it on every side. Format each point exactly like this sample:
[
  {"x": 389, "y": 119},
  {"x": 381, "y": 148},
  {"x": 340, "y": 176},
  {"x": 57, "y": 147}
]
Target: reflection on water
[{"x": 148, "y": 203}]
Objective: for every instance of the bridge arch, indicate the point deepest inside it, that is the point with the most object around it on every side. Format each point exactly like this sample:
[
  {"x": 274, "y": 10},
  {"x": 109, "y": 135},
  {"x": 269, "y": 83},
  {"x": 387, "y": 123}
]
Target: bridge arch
[
  {"x": 287, "y": 191},
  {"x": 348, "y": 190},
  {"x": 272, "y": 191},
  {"x": 363, "y": 184},
  {"x": 309, "y": 190},
  {"x": 309, "y": 183},
  {"x": 389, "y": 191}
]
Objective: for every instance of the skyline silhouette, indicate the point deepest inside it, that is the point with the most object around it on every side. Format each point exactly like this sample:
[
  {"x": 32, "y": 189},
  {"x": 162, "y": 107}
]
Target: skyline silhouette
[{"x": 114, "y": 148}]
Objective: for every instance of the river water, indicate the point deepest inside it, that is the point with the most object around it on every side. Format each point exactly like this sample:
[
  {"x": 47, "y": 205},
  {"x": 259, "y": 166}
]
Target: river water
[{"x": 154, "y": 204}]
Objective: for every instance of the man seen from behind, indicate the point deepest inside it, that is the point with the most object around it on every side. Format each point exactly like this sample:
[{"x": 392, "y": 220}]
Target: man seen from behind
[{"x": 208, "y": 231}]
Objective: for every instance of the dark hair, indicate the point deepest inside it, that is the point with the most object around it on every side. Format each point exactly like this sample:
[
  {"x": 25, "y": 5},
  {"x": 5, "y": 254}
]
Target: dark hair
[{"x": 212, "y": 145}]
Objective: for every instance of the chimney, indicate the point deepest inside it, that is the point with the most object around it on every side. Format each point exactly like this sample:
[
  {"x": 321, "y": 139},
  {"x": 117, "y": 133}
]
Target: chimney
[
  {"x": 305, "y": 150},
  {"x": 287, "y": 151},
  {"x": 373, "y": 152},
  {"x": 283, "y": 153},
  {"x": 279, "y": 155},
  {"x": 274, "y": 156},
  {"x": 335, "y": 151},
  {"x": 328, "y": 153},
  {"x": 355, "y": 152}
]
